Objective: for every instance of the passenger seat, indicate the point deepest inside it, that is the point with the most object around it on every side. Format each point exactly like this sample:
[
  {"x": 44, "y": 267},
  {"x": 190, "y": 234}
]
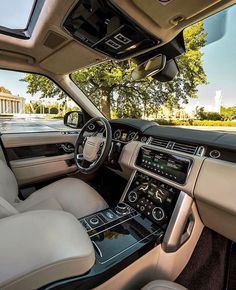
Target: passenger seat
[{"x": 163, "y": 285}]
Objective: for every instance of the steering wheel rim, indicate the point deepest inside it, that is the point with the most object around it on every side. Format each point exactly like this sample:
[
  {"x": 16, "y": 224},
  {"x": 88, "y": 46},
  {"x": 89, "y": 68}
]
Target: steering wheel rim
[{"x": 105, "y": 149}]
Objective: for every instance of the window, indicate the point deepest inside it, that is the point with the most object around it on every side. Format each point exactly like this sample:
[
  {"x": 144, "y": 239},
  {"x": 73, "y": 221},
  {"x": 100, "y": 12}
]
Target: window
[
  {"x": 202, "y": 95},
  {"x": 32, "y": 103},
  {"x": 18, "y": 17},
  {"x": 15, "y": 14}
]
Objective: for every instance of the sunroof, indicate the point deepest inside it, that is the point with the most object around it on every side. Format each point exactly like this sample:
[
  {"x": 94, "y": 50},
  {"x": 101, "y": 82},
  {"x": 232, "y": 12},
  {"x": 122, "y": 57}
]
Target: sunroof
[{"x": 15, "y": 14}]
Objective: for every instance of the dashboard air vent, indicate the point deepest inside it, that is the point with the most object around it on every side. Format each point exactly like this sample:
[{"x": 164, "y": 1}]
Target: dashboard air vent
[
  {"x": 159, "y": 142},
  {"x": 190, "y": 149}
]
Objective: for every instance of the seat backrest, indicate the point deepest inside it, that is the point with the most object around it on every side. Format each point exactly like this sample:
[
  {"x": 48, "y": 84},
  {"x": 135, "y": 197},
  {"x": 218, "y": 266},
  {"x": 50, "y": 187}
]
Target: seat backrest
[{"x": 8, "y": 190}]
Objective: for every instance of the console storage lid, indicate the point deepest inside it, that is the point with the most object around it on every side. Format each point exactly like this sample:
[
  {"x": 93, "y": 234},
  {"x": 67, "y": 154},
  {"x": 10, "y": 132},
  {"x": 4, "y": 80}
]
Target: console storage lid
[{"x": 40, "y": 247}]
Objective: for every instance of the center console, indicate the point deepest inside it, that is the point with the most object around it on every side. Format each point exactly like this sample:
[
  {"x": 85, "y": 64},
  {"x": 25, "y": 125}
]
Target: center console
[{"x": 122, "y": 234}]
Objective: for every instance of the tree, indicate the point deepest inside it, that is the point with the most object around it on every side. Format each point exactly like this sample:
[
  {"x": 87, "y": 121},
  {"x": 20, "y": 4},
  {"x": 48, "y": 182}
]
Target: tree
[
  {"x": 202, "y": 115},
  {"x": 110, "y": 86},
  {"x": 4, "y": 90},
  {"x": 228, "y": 113}
]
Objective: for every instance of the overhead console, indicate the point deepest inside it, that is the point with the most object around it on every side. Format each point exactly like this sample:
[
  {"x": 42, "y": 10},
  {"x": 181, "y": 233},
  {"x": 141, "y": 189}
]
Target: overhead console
[{"x": 101, "y": 26}]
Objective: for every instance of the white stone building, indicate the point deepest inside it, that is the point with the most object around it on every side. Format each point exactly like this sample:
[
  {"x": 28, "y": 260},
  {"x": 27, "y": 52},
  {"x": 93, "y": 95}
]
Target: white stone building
[{"x": 10, "y": 104}]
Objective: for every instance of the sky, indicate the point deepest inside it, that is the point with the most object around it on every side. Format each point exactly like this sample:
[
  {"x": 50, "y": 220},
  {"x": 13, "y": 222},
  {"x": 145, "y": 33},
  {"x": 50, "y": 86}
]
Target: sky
[{"x": 219, "y": 59}]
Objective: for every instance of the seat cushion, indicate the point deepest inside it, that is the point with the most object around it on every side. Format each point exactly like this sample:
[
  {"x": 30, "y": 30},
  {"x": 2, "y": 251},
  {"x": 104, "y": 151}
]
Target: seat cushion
[
  {"x": 69, "y": 194},
  {"x": 163, "y": 285}
]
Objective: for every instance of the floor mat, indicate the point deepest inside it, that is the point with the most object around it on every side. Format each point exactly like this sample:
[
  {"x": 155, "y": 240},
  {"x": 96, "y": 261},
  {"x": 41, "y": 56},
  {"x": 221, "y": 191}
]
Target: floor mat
[
  {"x": 206, "y": 269},
  {"x": 231, "y": 283}
]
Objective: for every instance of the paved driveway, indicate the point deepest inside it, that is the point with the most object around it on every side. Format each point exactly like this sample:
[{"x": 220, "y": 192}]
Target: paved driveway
[{"x": 27, "y": 125}]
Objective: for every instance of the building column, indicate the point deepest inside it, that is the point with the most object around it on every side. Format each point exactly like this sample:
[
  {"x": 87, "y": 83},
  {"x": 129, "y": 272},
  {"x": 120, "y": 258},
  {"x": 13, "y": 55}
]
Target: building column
[
  {"x": 8, "y": 107},
  {"x": 3, "y": 106},
  {"x": 0, "y": 106}
]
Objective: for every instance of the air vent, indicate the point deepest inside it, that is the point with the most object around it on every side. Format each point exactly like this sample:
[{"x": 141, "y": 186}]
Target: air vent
[
  {"x": 53, "y": 40},
  {"x": 159, "y": 142},
  {"x": 190, "y": 149}
]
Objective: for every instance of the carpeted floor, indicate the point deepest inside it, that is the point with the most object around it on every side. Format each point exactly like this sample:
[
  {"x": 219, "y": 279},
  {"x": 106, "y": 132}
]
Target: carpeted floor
[
  {"x": 231, "y": 285},
  {"x": 206, "y": 270}
]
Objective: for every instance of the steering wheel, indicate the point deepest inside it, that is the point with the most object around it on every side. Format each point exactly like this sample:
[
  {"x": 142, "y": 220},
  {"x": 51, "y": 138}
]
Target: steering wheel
[{"x": 92, "y": 151}]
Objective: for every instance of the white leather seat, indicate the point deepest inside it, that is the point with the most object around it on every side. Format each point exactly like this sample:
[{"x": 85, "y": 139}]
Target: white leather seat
[
  {"x": 163, "y": 285},
  {"x": 69, "y": 194}
]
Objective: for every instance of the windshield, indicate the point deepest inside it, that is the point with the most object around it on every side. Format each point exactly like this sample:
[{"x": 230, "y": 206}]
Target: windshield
[{"x": 202, "y": 95}]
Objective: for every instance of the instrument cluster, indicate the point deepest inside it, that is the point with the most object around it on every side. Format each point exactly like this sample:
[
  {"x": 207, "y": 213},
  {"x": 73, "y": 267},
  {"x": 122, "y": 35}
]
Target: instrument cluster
[{"x": 124, "y": 135}]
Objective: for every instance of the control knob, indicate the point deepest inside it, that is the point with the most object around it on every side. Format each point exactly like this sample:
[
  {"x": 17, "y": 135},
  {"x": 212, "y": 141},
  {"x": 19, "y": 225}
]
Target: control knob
[
  {"x": 132, "y": 196},
  {"x": 158, "y": 213},
  {"x": 122, "y": 208}
]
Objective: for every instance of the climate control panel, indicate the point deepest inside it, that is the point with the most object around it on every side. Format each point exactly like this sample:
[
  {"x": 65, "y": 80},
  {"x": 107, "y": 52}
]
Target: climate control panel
[{"x": 152, "y": 198}]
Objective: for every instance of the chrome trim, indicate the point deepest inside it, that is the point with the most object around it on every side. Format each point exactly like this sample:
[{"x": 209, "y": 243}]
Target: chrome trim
[
  {"x": 177, "y": 223},
  {"x": 199, "y": 153},
  {"x": 128, "y": 186},
  {"x": 98, "y": 249},
  {"x": 171, "y": 145}
]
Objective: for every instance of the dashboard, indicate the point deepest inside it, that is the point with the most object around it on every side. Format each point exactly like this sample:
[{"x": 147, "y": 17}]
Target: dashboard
[{"x": 201, "y": 164}]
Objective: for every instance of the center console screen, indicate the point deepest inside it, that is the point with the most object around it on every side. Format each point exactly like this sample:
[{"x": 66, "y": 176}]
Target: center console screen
[{"x": 170, "y": 166}]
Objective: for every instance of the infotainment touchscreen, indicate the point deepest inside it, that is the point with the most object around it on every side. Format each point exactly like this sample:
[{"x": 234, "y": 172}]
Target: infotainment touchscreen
[{"x": 170, "y": 166}]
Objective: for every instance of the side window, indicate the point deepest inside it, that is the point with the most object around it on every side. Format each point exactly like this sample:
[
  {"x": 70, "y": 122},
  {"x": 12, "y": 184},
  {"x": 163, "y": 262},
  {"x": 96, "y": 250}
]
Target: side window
[{"x": 32, "y": 103}]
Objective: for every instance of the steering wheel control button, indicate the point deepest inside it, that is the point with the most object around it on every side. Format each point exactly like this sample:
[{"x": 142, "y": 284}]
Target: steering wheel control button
[
  {"x": 94, "y": 221},
  {"x": 158, "y": 214}
]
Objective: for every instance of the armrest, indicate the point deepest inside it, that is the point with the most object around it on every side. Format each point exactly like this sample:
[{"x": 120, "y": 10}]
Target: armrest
[{"x": 40, "y": 247}]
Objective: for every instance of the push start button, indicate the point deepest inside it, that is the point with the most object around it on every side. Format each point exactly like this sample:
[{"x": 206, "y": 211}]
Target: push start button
[{"x": 94, "y": 221}]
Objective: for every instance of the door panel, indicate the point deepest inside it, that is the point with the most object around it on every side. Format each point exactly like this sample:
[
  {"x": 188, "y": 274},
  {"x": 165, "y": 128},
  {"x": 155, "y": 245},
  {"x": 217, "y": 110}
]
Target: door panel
[
  {"x": 29, "y": 139},
  {"x": 39, "y": 156}
]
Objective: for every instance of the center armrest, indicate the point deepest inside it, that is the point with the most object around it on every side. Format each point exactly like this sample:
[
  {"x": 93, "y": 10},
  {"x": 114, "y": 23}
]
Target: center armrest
[{"x": 40, "y": 247}]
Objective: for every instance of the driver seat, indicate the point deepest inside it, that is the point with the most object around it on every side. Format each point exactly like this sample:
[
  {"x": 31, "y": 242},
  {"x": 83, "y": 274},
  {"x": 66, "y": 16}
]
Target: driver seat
[{"x": 69, "y": 194}]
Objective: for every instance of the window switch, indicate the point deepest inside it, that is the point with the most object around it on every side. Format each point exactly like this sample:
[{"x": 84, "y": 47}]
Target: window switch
[{"x": 123, "y": 39}]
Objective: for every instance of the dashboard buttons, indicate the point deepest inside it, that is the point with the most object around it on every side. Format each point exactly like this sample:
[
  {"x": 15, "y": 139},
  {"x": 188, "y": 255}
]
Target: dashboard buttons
[
  {"x": 158, "y": 213},
  {"x": 142, "y": 208},
  {"x": 94, "y": 221},
  {"x": 109, "y": 215},
  {"x": 214, "y": 154},
  {"x": 132, "y": 196}
]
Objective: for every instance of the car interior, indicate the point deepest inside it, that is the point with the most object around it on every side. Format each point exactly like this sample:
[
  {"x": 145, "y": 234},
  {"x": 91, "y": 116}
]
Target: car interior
[{"x": 113, "y": 204}]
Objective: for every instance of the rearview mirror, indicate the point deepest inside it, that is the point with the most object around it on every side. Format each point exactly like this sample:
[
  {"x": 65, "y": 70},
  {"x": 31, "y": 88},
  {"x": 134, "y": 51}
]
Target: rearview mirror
[
  {"x": 169, "y": 72},
  {"x": 150, "y": 67},
  {"x": 74, "y": 119}
]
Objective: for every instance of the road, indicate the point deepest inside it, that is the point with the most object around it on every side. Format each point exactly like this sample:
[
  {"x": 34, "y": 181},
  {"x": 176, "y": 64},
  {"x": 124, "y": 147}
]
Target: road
[
  {"x": 36, "y": 124},
  {"x": 30, "y": 125}
]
